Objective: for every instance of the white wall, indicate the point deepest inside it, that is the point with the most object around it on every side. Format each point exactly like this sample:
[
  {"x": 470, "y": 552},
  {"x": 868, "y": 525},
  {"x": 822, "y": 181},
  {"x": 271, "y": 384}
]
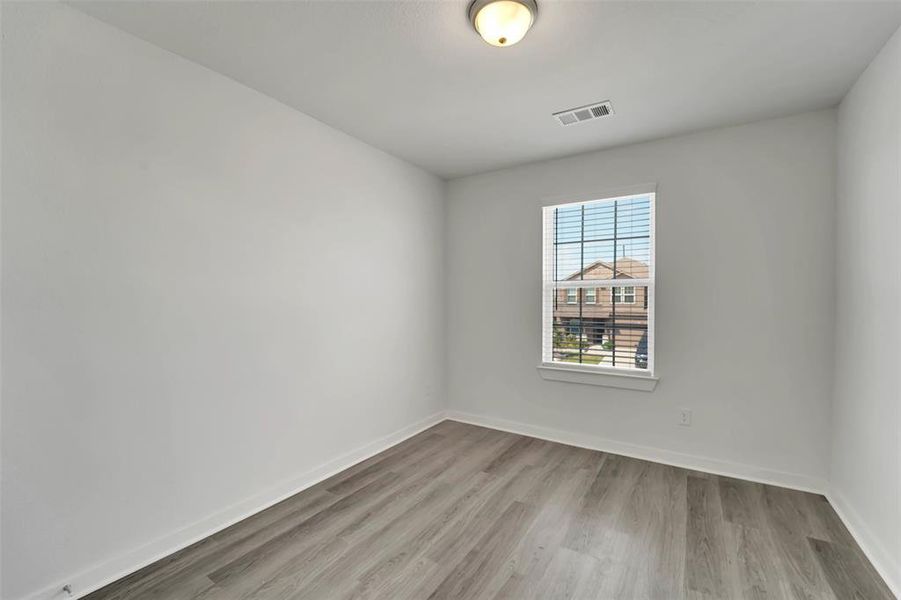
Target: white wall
[
  {"x": 206, "y": 295},
  {"x": 744, "y": 300},
  {"x": 866, "y": 450}
]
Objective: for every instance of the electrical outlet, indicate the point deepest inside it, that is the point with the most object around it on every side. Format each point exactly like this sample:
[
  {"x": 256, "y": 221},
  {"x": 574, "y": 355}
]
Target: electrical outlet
[{"x": 685, "y": 417}]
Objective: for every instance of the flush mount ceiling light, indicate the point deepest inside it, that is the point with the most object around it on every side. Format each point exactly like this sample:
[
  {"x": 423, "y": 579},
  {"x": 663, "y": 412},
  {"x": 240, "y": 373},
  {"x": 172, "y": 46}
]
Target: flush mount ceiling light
[{"x": 502, "y": 22}]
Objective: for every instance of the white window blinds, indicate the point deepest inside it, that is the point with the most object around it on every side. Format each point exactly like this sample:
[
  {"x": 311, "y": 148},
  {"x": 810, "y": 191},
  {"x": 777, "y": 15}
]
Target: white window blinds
[{"x": 598, "y": 284}]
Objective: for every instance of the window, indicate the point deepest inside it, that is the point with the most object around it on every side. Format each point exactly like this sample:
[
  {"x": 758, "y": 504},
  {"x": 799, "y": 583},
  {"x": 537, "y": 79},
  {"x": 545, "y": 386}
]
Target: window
[
  {"x": 623, "y": 295},
  {"x": 590, "y": 319}
]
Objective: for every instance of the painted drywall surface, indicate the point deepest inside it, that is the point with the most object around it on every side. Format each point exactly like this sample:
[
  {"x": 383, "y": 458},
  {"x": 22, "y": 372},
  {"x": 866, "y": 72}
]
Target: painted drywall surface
[
  {"x": 865, "y": 468},
  {"x": 205, "y": 293},
  {"x": 744, "y": 295}
]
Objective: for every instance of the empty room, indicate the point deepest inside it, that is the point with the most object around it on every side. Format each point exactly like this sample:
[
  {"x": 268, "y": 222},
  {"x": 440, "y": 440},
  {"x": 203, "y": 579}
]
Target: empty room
[{"x": 450, "y": 299}]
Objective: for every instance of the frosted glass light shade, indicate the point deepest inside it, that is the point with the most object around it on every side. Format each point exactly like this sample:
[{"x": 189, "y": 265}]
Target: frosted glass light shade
[{"x": 502, "y": 22}]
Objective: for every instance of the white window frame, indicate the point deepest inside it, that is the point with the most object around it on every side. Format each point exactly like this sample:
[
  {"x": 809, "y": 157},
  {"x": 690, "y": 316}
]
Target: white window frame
[
  {"x": 620, "y": 296},
  {"x": 575, "y": 296},
  {"x": 591, "y": 295},
  {"x": 622, "y": 377}
]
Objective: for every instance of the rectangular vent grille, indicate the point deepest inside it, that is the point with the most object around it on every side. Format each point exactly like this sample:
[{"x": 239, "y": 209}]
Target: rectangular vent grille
[{"x": 584, "y": 113}]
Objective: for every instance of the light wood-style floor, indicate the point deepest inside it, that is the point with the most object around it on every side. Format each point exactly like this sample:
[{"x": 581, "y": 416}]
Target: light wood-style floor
[{"x": 461, "y": 511}]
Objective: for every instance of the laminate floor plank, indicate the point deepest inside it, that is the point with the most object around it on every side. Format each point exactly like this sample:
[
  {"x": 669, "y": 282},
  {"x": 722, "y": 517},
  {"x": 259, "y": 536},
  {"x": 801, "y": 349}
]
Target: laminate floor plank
[
  {"x": 466, "y": 512},
  {"x": 757, "y": 576},
  {"x": 479, "y": 564},
  {"x": 570, "y": 576},
  {"x": 555, "y": 498},
  {"x": 517, "y": 484},
  {"x": 656, "y": 564},
  {"x": 593, "y": 527},
  {"x": 848, "y": 575},
  {"x": 219, "y": 548},
  {"x": 742, "y": 502},
  {"x": 308, "y": 576},
  {"x": 281, "y": 566},
  {"x": 410, "y": 559},
  {"x": 707, "y": 568},
  {"x": 310, "y": 539},
  {"x": 789, "y": 517},
  {"x": 341, "y": 577}
]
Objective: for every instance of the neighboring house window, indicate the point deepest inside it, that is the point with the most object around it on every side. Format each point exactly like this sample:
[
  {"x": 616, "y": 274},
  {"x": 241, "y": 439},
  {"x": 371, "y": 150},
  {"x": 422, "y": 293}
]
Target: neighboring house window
[
  {"x": 596, "y": 246},
  {"x": 623, "y": 295}
]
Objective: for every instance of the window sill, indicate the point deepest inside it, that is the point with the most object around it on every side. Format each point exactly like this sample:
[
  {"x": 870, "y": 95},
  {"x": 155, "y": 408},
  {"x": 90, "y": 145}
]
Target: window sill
[{"x": 607, "y": 378}]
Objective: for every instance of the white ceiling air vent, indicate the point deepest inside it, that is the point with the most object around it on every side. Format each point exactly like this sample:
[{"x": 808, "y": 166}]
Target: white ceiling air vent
[{"x": 584, "y": 113}]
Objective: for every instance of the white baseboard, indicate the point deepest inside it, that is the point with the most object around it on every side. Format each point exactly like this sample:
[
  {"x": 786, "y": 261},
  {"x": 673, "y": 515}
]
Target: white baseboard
[
  {"x": 100, "y": 575},
  {"x": 881, "y": 559},
  {"x": 795, "y": 481}
]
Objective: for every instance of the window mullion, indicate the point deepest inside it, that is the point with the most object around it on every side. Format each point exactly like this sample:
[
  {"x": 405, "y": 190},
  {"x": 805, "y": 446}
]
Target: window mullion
[
  {"x": 581, "y": 293},
  {"x": 613, "y": 275}
]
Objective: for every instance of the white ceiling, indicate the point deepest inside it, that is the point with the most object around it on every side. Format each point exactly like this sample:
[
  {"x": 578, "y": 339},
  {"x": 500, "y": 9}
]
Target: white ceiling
[{"x": 412, "y": 77}]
